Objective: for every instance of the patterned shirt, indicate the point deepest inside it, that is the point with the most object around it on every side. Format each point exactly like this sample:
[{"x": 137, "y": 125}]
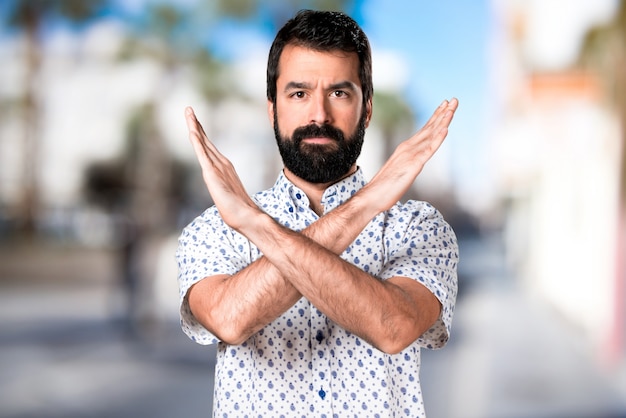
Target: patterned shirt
[{"x": 302, "y": 364}]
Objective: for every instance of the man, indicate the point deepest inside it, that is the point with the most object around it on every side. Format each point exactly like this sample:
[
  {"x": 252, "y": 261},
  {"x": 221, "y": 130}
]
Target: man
[{"x": 321, "y": 290}]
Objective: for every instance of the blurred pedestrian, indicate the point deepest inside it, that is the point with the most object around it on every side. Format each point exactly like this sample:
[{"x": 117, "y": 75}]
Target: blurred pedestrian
[{"x": 321, "y": 290}]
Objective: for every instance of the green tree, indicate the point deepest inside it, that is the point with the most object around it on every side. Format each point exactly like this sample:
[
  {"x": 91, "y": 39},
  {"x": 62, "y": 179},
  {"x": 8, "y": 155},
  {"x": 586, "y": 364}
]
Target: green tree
[
  {"x": 278, "y": 12},
  {"x": 395, "y": 118}
]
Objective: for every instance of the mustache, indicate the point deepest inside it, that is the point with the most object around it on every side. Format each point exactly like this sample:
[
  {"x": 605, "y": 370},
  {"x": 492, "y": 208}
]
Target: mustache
[{"x": 317, "y": 131}]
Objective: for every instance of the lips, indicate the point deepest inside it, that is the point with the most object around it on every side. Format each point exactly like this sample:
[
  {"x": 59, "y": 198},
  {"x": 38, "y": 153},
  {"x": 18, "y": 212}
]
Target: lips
[{"x": 318, "y": 140}]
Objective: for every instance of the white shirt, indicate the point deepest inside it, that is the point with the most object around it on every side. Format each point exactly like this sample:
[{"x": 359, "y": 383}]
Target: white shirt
[{"x": 302, "y": 364}]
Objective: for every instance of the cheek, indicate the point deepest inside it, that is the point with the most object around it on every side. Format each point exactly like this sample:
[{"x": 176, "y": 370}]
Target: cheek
[
  {"x": 287, "y": 120},
  {"x": 349, "y": 123}
]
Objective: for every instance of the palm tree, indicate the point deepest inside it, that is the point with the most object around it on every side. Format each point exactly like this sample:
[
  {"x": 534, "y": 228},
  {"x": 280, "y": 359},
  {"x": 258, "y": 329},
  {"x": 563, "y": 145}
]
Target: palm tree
[
  {"x": 279, "y": 12},
  {"x": 30, "y": 17},
  {"x": 394, "y": 117}
]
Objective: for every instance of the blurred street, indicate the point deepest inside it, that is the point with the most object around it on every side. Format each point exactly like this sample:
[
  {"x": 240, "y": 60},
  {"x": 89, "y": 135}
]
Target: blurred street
[
  {"x": 65, "y": 353},
  {"x": 66, "y": 350},
  {"x": 97, "y": 178}
]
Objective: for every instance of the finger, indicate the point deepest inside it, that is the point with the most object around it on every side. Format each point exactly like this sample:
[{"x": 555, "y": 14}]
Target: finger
[
  {"x": 190, "y": 118},
  {"x": 210, "y": 159},
  {"x": 445, "y": 115},
  {"x": 449, "y": 107},
  {"x": 197, "y": 133},
  {"x": 440, "y": 118},
  {"x": 432, "y": 136},
  {"x": 441, "y": 130},
  {"x": 454, "y": 104},
  {"x": 445, "y": 107},
  {"x": 192, "y": 121},
  {"x": 198, "y": 140},
  {"x": 436, "y": 114}
]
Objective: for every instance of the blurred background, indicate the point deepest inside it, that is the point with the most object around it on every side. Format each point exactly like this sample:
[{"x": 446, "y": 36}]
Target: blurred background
[{"x": 97, "y": 178}]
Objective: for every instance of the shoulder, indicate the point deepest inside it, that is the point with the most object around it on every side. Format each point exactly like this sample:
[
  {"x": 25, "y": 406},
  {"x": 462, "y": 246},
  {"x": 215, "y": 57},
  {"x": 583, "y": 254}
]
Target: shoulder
[
  {"x": 205, "y": 230},
  {"x": 209, "y": 218},
  {"x": 414, "y": 211},
  {"x": 416, "y": 220}
]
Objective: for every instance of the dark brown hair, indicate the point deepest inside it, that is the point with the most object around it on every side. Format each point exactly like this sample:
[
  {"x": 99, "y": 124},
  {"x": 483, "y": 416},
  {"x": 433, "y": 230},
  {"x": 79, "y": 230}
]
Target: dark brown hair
[{"x": 322, "y": 31}]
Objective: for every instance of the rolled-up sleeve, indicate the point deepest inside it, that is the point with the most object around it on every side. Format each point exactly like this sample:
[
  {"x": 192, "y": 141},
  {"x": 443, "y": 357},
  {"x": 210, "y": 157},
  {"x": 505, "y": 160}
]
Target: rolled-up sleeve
[
  {"x": 206, "y": 247},
  {"x": 426, "y": 250}
]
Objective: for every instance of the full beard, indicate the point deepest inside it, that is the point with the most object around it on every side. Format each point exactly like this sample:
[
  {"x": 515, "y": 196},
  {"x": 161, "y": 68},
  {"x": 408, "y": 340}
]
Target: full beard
[{"x": 320, "y": 163}]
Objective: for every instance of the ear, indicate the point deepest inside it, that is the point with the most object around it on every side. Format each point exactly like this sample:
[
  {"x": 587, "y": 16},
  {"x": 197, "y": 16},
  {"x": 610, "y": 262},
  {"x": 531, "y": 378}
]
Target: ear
[
  {"x": 270, "y": 111},
  {"x": 368, "y": 112}
]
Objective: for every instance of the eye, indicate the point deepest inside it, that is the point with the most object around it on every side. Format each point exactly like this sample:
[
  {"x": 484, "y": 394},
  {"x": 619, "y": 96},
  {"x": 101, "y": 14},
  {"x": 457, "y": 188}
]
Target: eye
[
  {"x": 298, "y": 94},
  {"x": 339, "y": 93}
]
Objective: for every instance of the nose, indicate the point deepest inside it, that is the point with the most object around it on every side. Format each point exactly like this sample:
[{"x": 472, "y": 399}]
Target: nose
[{"x": 320, "y": 111}]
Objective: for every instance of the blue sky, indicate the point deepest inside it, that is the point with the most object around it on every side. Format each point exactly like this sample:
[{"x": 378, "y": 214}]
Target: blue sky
[
  {"x": 443, "y": 42},
  {"x": 445, "y": 45}
]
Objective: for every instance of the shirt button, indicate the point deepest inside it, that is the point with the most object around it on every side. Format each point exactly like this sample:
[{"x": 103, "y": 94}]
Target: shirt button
[
  {"x": 322, "y": 394},
  {"x": 319, "y": 337}
]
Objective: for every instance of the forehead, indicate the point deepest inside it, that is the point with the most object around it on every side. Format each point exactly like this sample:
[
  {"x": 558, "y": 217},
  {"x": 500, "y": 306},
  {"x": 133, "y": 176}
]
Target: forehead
[{"x": 298, "y": 63}]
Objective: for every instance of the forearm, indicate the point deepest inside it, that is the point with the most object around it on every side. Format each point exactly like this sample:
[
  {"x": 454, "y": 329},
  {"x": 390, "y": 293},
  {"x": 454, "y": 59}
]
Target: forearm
[
  {"x": 307, "y": 263},
  {"x": 381, "y": 312},
  {"x": 235, "y": 307}
]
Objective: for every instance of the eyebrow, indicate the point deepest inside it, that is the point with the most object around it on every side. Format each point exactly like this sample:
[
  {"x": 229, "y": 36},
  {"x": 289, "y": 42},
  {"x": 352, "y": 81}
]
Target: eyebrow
[{"x": 296, "y": 85}]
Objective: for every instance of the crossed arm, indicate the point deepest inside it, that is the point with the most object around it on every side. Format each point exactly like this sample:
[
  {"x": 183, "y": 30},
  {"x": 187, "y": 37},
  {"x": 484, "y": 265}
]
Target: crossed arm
[{"x": 389, "y": 314}]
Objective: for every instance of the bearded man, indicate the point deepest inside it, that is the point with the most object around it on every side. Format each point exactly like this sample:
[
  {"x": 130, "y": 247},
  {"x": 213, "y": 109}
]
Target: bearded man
[{"x": 320, "y": 291}]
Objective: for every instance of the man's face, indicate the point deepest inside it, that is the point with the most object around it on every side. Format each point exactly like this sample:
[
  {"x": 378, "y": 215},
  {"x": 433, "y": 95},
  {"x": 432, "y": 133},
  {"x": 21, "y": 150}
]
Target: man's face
[{"x": 319, "y": 119}]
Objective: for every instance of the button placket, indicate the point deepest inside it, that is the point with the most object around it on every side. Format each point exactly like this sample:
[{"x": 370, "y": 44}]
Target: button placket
[{"x": 320, "y": 361}]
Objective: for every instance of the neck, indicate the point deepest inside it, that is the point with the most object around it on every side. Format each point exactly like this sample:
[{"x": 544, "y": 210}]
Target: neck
[{"x": 315, "y": 191}]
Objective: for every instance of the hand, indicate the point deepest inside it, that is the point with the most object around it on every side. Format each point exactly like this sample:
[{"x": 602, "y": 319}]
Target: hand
[
  {"x": 220, "y": 177},
  {"x": 409, "y": 158}
]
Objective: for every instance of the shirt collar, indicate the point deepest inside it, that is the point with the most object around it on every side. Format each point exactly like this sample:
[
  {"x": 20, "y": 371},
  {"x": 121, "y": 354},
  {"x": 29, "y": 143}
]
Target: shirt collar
[{"x": 335, "y": 195}]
